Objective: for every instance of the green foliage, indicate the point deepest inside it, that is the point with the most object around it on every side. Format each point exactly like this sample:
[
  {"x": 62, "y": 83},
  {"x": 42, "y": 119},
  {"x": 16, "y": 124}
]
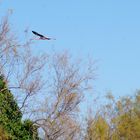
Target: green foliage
[
  {"x": 120, "y": 121},
  {"x": 98, "y": 129},
  {"x": 127, "y": 122},
  {"x": 11, "y": 117}
]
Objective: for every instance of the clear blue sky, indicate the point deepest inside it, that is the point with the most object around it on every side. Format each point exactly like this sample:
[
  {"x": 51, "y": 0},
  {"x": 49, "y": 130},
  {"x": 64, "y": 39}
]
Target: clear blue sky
[{"x": 108, "y": 30}]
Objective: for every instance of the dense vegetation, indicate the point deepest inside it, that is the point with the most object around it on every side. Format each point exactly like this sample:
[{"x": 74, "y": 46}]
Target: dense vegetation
[
  {"x": 115, "y": 121},
  {"x": 11, "y": 117},
  {"x": 118, "y": 120}
]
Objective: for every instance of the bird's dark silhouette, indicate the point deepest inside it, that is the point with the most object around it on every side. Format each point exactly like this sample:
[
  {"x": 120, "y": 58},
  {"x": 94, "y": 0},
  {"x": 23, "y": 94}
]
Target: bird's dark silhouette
[{"x": 42, "y": 37}]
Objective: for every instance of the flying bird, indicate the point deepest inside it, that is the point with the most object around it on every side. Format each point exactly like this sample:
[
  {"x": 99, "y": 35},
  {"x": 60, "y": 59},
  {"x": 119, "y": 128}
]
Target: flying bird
[{"x": 42, "y": 37}]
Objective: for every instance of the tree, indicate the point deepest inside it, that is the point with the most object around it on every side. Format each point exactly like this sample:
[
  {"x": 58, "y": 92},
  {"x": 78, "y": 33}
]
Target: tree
[
  {"x": 20, "y": 66},
  {"x": 67, "y": 86},
  {"x": 117, "y": 120},
  {"x": 47, "y": 88},
  {"x": 127, "y": 122},
  {"x": 97, "y": 129},
  {"x": 11, "y": 116}
]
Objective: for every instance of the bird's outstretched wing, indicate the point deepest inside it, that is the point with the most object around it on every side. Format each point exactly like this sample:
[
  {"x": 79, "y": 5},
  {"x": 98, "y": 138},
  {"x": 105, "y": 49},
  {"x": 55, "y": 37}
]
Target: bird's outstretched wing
[
  {"x": 42, "y": 37},
  {"x": 37, "y": 34}
]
